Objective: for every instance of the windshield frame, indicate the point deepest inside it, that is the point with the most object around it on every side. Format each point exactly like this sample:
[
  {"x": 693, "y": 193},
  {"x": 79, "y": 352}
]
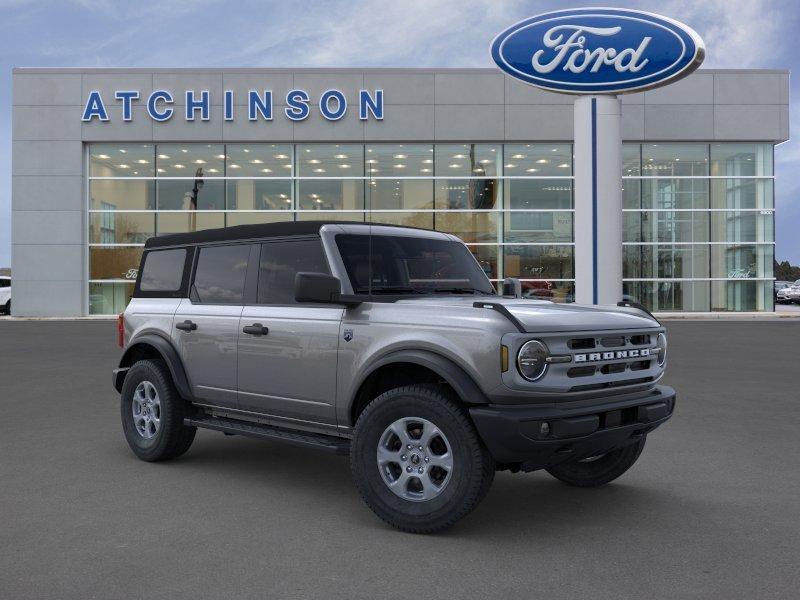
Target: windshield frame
[{"x": 473, "y": 283}]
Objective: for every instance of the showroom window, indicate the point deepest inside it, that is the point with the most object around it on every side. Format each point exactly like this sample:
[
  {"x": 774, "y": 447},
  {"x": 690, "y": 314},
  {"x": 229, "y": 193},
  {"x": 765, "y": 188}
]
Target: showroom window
[
  {"x": 698, "y": 226},
  {"x": 511, "y": 203}
]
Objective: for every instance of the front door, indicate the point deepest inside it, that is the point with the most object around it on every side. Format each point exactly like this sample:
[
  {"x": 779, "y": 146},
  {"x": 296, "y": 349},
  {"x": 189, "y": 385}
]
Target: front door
[
  {"x": 288, "y": 351},
  {"x": 206, "y": 325}
]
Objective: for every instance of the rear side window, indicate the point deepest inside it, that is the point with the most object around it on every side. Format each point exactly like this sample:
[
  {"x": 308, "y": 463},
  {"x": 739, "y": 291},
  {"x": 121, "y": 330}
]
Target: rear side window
[
  {"x": 280, "y": 262},
  {"x": 163, "y": 270},
  {"x": 220, "y": 274}
]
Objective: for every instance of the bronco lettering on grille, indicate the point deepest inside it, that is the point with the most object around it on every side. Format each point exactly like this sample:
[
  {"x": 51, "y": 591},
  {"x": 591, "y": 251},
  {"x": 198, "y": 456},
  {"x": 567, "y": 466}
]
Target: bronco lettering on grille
[{"x": 618, "y": 354}]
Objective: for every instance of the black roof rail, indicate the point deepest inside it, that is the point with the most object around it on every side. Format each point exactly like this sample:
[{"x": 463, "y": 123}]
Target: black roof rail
[{"x": 503, "y": 311}]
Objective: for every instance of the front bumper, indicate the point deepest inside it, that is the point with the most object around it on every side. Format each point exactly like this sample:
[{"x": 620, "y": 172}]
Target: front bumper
[{"x": 538, "y": 437}]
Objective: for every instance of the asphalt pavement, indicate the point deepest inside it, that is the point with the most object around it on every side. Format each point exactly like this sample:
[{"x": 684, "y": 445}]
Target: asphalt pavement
[{"x": 711, "y": 510}]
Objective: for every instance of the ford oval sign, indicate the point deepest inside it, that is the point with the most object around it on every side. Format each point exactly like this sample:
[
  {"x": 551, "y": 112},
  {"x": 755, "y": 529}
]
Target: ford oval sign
[{"x": 598, "y": 50}]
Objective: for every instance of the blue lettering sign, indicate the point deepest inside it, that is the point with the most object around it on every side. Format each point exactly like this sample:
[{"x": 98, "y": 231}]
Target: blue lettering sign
[
  {"x": 152, "y": 106},
  {"x": 325, "y": 105},
  {"x": 94, "y": 108},
  {"x": 366, "y": 105},
  {"x": 257, "y": 104},
  {"x": 297, "y": 105},
  {"x": 127, "y": 97},
  {"x": 193, "y": 105}
]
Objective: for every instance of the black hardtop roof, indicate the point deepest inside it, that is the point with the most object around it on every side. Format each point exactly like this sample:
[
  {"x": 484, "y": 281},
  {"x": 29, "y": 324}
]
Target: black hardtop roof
[{"x": 249, "y": 232}]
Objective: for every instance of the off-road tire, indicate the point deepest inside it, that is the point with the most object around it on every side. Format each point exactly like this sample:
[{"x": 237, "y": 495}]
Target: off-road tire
[
  {"x": 601, "y": 471},
  {"x": 173, "y": 438},
  {"x": 473, "y": 466}
]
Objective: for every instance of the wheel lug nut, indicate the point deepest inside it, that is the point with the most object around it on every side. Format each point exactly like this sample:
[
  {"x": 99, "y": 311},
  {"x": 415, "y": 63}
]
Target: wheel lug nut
[
  {"x": 409, "y": 447},
  {"x": 420, "y": 470},
  {"x": 420, "y": 447},
  {"x": 409, "y": 469},
  {"x": 403, "y": 457},
  {"x": 427, "y": 459}
]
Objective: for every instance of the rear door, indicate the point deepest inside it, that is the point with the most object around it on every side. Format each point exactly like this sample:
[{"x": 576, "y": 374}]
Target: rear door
[
  {"x": 206, "y": 325},
  {"x": 288, "y": 351}
]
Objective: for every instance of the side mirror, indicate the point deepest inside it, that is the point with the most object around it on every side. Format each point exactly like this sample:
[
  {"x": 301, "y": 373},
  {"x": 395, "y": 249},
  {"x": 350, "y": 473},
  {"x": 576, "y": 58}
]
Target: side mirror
[
  {"x": 317, "y": 287},
  {"x": 512, "y": 287}
]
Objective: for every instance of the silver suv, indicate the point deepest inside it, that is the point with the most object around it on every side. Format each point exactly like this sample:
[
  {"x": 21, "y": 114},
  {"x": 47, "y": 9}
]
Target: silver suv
[{"x": 390, "y": 345}]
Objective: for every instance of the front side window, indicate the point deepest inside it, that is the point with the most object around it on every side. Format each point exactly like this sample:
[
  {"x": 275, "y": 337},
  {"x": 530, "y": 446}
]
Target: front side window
[
  {"x": 410, "y": 265},
  {"x": 280, "y": 262},
  {"x": 163, "y": 270},
  {"x": 220, "y": 274}
]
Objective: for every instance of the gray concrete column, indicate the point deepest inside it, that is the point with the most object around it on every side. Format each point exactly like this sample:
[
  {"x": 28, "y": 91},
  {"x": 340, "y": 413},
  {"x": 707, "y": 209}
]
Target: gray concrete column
[{"x": 598, "y": 200}]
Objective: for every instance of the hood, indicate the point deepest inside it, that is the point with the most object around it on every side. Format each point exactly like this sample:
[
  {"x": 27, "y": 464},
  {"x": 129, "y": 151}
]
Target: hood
[{"x": 542, "y": 316}]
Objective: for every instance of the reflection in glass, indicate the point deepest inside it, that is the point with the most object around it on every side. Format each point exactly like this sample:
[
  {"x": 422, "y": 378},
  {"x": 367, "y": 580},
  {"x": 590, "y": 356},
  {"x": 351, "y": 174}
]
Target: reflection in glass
[
  {"x": 404, "y": 194},
  {"x": 122, "y": 194},
  {"x": 538, "y": 262},
  {"x": 121, "y": 160},
  {"x": 250, "y": 218},
  {"x": 467, "y": 160},
  {"x": 674, "y": 193},
  {"x": 330, "y": 160},
  {"x": 259, "y": 160},
  {"x": 109, "y": 298},
  {"x": 121, "y": 227},
  {"x": 114, "y": 263},
  {"x": 741, "y": 160},
  {"x": 665, "y": 261},
  {"x": 674, "y": 160},
  {"x": 538, "y": 194},
  {"x": 742, "y": 193},
  {"x": 466, "y": 193},
  {"x": 469, "y": 226},
  {"x": 330, "y": 194},
  {"x": 193, "y": 160},
  {"x": 742, "y": 261},
  {"x": 743, "y": 226},
  {"x": 669, "y": 295},
  {"x": 742, "y": 296},
  {"x": 184, "y": 222},
  {"x": 422, "y": 220},
  {"x": 399, "y": 160},
  {"x": 259, "y": 194},
  {"x": 538, "y": 227},
  {"x": 631, "y": 160},
  {"x": 537, "y": 160}
]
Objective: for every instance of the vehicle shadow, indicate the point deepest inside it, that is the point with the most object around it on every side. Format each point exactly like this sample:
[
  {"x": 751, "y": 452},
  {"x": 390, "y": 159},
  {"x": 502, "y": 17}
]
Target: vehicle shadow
[{"x": 520, "y": 504}]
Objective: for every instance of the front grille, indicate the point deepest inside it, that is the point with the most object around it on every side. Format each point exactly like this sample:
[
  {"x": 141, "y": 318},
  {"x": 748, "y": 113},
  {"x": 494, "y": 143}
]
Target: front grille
[{"x": 608, "y": 359}]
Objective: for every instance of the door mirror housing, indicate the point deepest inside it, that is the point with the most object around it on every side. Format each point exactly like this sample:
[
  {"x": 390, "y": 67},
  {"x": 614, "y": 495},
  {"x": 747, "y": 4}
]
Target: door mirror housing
[
  {"x": 512, "y": 287},
  {"x": 318, "y": 287}
]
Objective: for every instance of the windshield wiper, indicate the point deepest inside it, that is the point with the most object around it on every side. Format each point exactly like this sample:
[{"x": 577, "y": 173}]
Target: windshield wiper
[
  {"x": 390, "y": 289},
  {"x": 461, "y": 290}
]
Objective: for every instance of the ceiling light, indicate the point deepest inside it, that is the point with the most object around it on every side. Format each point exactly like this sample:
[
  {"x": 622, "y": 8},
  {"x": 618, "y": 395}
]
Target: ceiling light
[
  {"x": 179, "y": 166},
  {"x": 124, "y": 166},
  {"x": 485, "y": 161},
  {"x": 245, "y": 150},
  {"x": 427, "y": 161},
  {"x": 532, "y": 170},
  {"x": 400, "y": 156},
  {"x": 281, "y": 156},
  {"x": 340, "y": 156},
  {"x": 399, "y": 166},
  {"x": 161, "y": 170},
  {"x": 257, "y": 161},
  {"x": 313, "y": 161},
  {"x": 123, "y": 150},
  {"x": 287, "y": 166},
  {"x": 103, "y": 156},
  {"x": 459, "y": 156},
  {"x": 199, "y": 161},
  {"x": 319, "y": 170},
  {"x": 425, "y": 170},
  {"x": 510, "y": 166},
  {"x": 371, "y": 161},
  {"x": 344, "y": 166},
  {"x": 542, "y": 161},
  {"x": 454, "y": 166},
  {"x": 163, "y": 156},
  {"x": 563, "y": 166},
  {"x": 517, "y": 156},
  {"x": 213, "y": 170},
  {"x": 266, "y": 170},
  {"x": 184, "y": 150},
  {"x": 217, "y": 156},
  {"x": 234, "y": 166}
]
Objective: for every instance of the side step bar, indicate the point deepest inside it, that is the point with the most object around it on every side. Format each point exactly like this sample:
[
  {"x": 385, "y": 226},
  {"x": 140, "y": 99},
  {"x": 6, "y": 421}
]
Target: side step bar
[{"x": 328, "y": 443}]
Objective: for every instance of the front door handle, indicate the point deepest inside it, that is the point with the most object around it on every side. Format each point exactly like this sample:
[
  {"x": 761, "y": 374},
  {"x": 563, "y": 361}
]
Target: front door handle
[
  {"x": 255, "y": 329},
  {"x": 187, "y": 325}
]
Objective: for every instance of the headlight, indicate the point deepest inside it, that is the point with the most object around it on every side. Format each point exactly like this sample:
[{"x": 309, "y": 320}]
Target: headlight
[
  {"x": 532, "y": 360},
  {"x": 661, "y": 344}
]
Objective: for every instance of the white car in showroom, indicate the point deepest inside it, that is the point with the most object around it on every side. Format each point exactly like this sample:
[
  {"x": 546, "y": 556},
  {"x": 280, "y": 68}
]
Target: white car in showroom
[{"x": 5, "y": 294}]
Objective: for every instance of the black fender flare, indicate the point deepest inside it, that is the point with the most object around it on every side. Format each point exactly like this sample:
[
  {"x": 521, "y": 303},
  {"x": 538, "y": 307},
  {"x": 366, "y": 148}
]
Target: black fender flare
[
  {"x": 461, "y": 382},
  {"x": 167, "y": 351}
]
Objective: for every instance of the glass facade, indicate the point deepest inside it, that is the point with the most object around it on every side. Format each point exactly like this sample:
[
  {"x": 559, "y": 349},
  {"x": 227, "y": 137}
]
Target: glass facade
[
  {"x": 698, "y": 218},
  {"x": 698, "y": 226}
]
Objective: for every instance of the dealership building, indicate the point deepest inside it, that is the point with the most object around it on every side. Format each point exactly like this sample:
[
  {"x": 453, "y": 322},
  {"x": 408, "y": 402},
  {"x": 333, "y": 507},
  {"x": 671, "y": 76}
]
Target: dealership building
[{"x": 103, "y": 159}]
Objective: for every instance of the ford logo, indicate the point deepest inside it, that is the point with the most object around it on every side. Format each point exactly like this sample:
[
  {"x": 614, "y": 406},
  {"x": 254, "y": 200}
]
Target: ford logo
[{"x": 598, "y": 50}]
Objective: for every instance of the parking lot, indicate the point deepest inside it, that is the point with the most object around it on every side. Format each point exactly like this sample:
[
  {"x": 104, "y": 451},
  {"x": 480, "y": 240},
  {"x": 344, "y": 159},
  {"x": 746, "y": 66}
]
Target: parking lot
[{"x": 711, "y": 510}]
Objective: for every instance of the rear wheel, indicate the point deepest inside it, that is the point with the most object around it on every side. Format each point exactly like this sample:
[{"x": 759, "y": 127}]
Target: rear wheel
[
  {"x": 417, "y": 460},
  {"x": 598, "y": 470},
  {"x": 152, "y": 413}
]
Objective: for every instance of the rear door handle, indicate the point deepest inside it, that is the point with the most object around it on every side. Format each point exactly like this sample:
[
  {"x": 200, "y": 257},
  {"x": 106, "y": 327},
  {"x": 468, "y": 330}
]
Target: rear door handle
[
  {"x": 255, "y": 329},
  {"x": 186, "y": 326}
]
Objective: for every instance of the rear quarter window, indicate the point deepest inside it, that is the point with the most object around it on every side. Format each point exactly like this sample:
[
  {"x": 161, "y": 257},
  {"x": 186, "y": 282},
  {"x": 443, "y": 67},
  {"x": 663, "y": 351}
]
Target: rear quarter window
[{"x": 162, "y": 270}]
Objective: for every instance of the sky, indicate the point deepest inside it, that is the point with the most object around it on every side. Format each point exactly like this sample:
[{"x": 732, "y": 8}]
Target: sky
[{"x": 356, "y": 33}]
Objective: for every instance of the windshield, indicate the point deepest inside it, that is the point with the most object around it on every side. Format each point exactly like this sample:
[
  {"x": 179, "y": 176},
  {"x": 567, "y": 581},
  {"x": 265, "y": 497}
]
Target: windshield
[{"x": 410, "y": 265}]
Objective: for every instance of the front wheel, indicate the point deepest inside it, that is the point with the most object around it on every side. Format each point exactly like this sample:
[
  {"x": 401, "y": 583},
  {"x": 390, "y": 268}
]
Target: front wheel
[
  {"x": 418, "y": 461},
  {"x": 598, "y": 470}
]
